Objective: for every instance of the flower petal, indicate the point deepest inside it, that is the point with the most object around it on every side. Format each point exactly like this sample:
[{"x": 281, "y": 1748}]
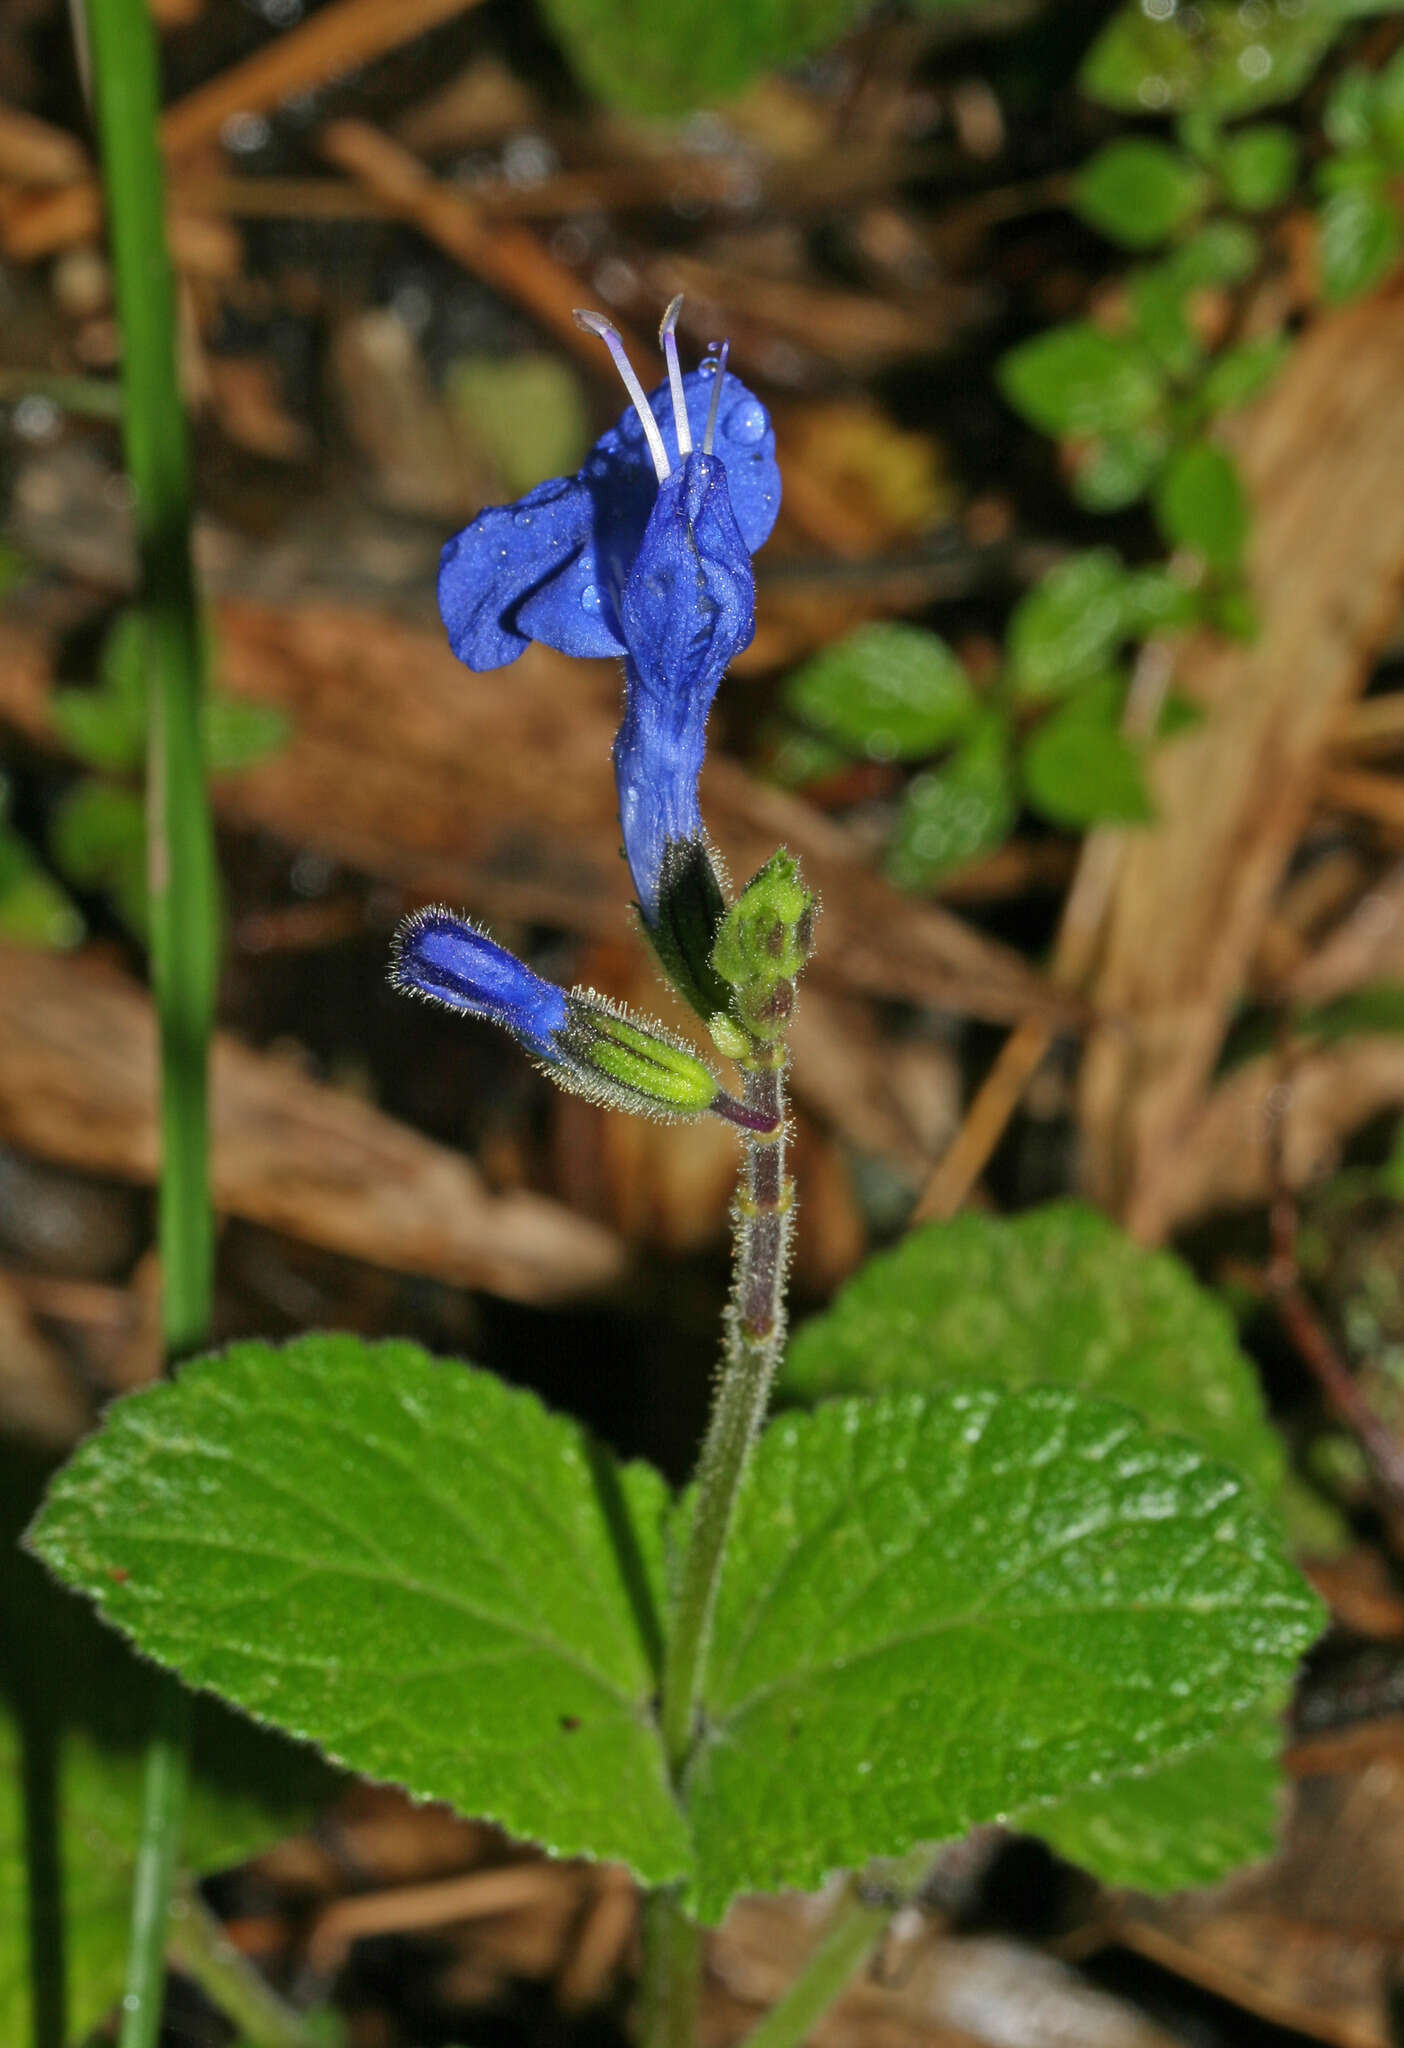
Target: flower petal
[
  {"x": 449, "y": 961},
  {"x": 745, "y": 444},
  {"x": 517, "y": 555},
  {"x": 688, "y": 607}
]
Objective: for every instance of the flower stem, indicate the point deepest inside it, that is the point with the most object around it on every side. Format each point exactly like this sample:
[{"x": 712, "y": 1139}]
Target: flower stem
[
  {"x": 180, "y": 846},
  {"x": 755, "y": 1332}
]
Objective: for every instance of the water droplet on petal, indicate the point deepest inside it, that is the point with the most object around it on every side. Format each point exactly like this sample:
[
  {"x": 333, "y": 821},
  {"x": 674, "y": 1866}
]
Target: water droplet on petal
[
  {"x": 589, "y": 598},
  {"x": 745, "y": 422},
  {"x": 521, "y": 519}
]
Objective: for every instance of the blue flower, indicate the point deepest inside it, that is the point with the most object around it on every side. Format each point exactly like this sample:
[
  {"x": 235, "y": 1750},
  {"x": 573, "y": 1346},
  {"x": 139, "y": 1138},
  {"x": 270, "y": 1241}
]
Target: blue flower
[
  {"x": 646, "y": 553},
  {"x": 447, "y": 960},
  {"x": 553, "y": 567}
]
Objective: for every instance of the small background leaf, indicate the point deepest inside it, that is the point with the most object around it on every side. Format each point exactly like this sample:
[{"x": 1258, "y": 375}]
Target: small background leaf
[
  {"x": 1199, "y": 503},
  {"x": 893, "y": 692},
  {"x": 1077, "y": 379},
  {"x": 1258, "y": 166},
  {"x": 409, "y": 1563},
  {"x": 1068, "y": 626},
  {"x": 1218, "y": 56},
  {"x": 1361, "y": 239},
  {"x": 1138, "y": 191},
  {"x": 1080, "y": 769},
  {"x": 955, "y": 813}
]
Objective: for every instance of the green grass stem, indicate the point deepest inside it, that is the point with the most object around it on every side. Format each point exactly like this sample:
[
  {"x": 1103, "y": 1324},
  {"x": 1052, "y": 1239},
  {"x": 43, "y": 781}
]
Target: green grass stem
[{"x": 180, "y": 845}]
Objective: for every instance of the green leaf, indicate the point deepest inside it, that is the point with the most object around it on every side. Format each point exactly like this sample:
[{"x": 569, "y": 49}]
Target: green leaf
[
  {"x": 1389, "y": 108},
  {"x": 942, "y": 1608},
  {"x": 1059, "y": 1295},
  {"x": 34, "y": 910},
  {"x": 1219, "y": 56},
  {"x": 1077, "y": 379},
  {"x": 1155, "y": 601},
  {"x": 1242, "y": 372},
  {"x": 97, "y": 836},
  {"x": 1068, "y": 625},
  {"x": 527, "y": 412},
  {"x": 238, "y": 734},
  {"x": 1056, "y": 1294},
  {"x": 1159, "y": 296},
  {"x": 1191, "y": 1821},
  {"x": 1349, "y": 117},
  {"x": 893, "y": 692},
  {"x": 664, "y": 60},
  {"x": 1080, "y": 769},
  {"x": 1360, "y": 240},
  {"x": 74, "y": 1701},
  {"x": 1258, "y": 166},
  {"x": 955, "y": 813},
  {"x": 1118, "y": 469},
  {"x": 409, "y": 1563},
  {"x": 1221, "y": 252},
  {"x": 1199, "y": 503},
  {"x": 1138, "y": 192}
]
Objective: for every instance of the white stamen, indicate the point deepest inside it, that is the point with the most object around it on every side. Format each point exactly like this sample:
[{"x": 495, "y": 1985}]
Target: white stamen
[
  {"x": 720, "y": 377},
  {"x": 667, "y": 335},
  {"x": 596, "y": 323}
]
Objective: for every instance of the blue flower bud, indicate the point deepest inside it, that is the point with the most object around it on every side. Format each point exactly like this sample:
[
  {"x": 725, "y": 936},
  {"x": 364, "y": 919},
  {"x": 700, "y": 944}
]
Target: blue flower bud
[
  {"x": 586, "y": 1043},
  {"x": 447, "y": 960}
]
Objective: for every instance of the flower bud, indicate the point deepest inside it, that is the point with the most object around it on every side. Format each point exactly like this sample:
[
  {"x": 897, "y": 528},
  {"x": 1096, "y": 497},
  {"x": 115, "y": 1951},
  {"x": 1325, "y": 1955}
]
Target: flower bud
[
  {"x": 763, "y": 944},
  {"x": 583, "y": 1041}
]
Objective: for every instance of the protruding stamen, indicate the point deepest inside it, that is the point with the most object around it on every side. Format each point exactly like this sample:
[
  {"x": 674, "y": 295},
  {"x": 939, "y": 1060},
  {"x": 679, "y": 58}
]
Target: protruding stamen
[
  {"x": 596, "y": 323},
  {"x": 667, "y": 335},
  {"x": 710, "y": 434}
]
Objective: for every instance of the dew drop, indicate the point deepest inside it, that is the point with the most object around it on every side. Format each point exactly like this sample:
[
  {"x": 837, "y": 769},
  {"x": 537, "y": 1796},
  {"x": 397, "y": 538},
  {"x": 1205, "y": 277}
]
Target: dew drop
[
  {"x": 745, "y": 423},
  {"x": 521, "y": 519},
  {"x": 589, "y": 598}
]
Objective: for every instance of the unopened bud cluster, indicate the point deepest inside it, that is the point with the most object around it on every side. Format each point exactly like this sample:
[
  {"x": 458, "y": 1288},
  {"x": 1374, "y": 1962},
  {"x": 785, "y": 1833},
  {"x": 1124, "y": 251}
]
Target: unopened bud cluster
[{"x": 761, "y": 948}]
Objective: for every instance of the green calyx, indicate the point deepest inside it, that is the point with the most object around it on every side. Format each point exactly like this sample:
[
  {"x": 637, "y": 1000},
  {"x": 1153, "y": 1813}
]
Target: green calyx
[
  {"x": 763, "y": 943},
  {"x": 617, "y": 1060}
]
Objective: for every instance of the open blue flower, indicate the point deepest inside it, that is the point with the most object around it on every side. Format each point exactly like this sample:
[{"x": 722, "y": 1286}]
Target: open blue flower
[
  {"x": 553, "y": 566},
  {"x": 645, "y": 553}
]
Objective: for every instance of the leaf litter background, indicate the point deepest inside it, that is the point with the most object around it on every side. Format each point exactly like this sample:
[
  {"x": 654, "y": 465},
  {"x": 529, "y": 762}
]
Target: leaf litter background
[{"x": 380, "y": 236}]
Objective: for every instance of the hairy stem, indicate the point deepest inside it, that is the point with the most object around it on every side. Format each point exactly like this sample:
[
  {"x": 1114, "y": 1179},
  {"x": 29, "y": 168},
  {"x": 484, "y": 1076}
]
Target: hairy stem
[
  {"x": 755, "y": 1331},
  {"x": 180, "y": 847}
]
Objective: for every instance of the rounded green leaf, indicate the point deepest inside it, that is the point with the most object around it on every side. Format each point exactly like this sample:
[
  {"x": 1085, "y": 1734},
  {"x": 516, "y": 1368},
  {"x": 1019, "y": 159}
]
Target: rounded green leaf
[
  {"x": 409, "y": 1563},
  {"x": 1057, "y": 1294},
  {"x": 1080, "y": 769},
  {"x": 1199, "y": 504},
  {"x": 956, "y": 812},
  {"x": 1241, "y": 373},
  {"x": 1191, "y": 1821},
  {"x": 1219, "y": 56},
  {"x": 1138, "y": 191},
  {"x": 1117, "y": 469},
  {"x": 1067, "y": 626},
  {"x": 1077, "y": 379},
  {"x": 938, "y": 1609},
  {"x": 1258, "y": 166},
  {"x": 1361, "y": 236},
  {"x": 893, "y": 692}
]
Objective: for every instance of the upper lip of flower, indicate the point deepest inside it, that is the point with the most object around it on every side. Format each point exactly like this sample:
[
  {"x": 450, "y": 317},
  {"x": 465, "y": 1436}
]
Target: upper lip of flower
[{"x": 553, "y": 566}]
